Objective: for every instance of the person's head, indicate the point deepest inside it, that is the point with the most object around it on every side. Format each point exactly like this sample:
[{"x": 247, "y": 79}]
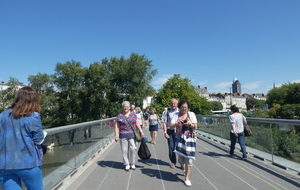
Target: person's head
[
  {"x": 138, "y": 110},
  {"x": 132, "y": 107},
  {"x": 153, "y": 110},
  {"x": 26, "y": 102},
  {"x": 126, "y": 106},
  {"x": 173, "y": 103},
  {"x": 184, "y": 106},
  {"x": 234, "y": 109}
]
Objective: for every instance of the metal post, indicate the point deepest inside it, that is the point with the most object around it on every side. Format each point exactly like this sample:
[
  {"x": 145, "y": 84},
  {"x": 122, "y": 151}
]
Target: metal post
[{"x": 272, "y": 149}]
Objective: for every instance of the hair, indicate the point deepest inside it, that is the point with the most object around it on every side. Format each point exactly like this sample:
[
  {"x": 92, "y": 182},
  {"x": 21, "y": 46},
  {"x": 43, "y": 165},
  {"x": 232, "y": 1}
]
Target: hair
[
  {"x": 234, "y": 109},
  {"x": 26, "y": 102},
  {"x": 125, "y": 103},
  {"x": 153, "y": 109},
  {"x": 184, "y": 102},
  {"x": 138, "y": 109},
  {"x": 174, "y": 99}
]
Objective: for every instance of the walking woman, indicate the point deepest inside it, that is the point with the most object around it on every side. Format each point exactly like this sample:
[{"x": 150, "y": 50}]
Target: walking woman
[
  {"x": 237, "y": 121},
  {"x": 154, "y": 121},
  {"x": 123, "y": 132},
  {"x": 186, "y": 124},
  {"x": 21, "y": 134}
]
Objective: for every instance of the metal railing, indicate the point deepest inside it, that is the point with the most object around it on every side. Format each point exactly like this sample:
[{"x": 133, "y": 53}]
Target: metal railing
[
  {"x": 70, "y": 146},
  {"x": 275, "y": 140}
]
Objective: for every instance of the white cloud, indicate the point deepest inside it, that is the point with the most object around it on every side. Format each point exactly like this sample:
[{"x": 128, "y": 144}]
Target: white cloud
[
  {"x": 253, "y": 85},
  {"x": 223, "y": 85},
  {"x": 201, "y": 83},
  {"x": 160, "y": 81}
]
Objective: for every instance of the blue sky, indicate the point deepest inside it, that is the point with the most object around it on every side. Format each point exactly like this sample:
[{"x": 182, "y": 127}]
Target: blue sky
[{"x": 208, "y": 41}]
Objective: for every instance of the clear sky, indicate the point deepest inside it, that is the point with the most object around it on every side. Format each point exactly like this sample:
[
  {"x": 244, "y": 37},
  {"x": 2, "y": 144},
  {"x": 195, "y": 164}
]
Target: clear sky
[{"x": 208, "y": 41}]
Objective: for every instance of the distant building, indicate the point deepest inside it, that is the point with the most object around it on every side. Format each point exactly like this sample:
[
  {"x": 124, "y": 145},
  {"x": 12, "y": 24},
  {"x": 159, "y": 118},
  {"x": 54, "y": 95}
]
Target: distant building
[
  {"x": 236, "y": 86},
  {"x": 3, "y": 85},
  {"x": 202, "y": 91},
  {"x": 226, "y": 99}
]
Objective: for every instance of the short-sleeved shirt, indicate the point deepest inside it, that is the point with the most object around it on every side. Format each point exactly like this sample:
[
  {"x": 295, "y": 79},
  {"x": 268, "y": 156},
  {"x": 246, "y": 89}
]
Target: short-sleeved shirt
[
  {"x": 139, "y": 118},
  {"x": 168, "y": 115},
  {"x": 238, "y": 120},
  {"x": 125, "y": 130}
]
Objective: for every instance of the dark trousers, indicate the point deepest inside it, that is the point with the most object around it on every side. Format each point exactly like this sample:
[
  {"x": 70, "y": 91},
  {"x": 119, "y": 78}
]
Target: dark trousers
[{"x": 171, "y": 145}]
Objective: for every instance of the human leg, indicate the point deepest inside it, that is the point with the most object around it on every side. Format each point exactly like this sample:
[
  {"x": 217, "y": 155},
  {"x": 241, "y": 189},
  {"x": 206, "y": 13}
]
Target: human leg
[
  {"x": 232, "y": 143},
  {"x": 124, "y": 149},
  {"x": 242, "y": 144},
  {"x": 171, "y": 145},
  {"x": 154, "y": 137},
  {"x": 32, "y": 178},
  {"x": 9, "y": 180},
  {"x": 132, "y": 151}
]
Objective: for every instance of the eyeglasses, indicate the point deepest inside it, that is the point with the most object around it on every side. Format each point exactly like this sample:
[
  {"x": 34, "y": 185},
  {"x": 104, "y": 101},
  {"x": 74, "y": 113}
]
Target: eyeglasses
[{"x": 184, "y": 107}]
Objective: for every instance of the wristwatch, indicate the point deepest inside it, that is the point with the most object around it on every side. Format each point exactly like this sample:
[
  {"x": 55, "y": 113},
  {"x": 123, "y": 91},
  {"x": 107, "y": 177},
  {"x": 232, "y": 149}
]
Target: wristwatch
[{"x": 165, "y": 132}]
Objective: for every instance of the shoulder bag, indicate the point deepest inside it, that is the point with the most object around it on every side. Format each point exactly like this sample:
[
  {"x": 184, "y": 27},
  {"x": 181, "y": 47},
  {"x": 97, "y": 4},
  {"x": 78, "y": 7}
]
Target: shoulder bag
[
  {"x": 137, "y": 134},
  {"x": 247, "y": 131}
]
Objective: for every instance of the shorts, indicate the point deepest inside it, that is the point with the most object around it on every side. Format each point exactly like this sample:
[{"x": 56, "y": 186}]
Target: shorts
[
  {"x": 186, "y": 161},
  {"x": 153, "y": 127}
]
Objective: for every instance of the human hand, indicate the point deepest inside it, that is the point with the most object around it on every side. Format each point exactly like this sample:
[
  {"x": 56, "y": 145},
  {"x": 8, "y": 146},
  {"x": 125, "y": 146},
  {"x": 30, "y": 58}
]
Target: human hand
[
  {"x": 116, "y": 139},
  {"x": 167, "y": 136}
]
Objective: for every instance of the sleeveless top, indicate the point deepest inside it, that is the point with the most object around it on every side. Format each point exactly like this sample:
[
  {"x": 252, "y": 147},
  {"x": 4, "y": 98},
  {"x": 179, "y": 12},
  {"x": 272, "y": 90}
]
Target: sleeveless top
[{"x": 153, "y": 120}]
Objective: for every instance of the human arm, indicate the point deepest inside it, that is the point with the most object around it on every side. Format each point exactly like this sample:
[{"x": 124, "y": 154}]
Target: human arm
[
  {"x": 36, "y": 129},
  {"x": 116, "y": 131},
  {"x": 234, "y": 129},
  {"x": 139, "y": 127}
]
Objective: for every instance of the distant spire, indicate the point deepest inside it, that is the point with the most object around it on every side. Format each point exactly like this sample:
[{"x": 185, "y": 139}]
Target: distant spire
[{"x": 274, "y": 85}]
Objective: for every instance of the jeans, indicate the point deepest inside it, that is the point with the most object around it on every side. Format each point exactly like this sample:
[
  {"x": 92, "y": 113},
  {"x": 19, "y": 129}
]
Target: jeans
[
  {"x": 32, "y": 178},
  {"x": 241, "y": 138},
  {"x": 171, "y": 145}
]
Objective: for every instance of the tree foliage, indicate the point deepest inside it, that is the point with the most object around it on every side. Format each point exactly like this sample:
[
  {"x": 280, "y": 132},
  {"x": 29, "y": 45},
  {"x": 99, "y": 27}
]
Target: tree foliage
[
  {"x": 216, "y": 105},
  {"x": 7, "y": 96},
  {"x": 253, "y": 103},
  {"x": 181, "y": 89},
  {"x": 285, "y": 101}
]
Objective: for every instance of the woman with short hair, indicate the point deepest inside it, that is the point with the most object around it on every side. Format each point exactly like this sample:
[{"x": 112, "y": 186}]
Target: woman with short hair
[
  {"x": 154, "y": 121},
  {"x": 186, "y": 124},
  {"x": 126, "y": 120},
  {"x": 237, "y": 121}
]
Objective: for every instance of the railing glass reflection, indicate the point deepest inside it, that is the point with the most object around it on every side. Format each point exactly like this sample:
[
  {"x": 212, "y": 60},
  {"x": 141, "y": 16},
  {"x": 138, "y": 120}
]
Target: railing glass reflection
[
  {"x": 70, "y": 146},
  {"x": 276, "y": 137}
]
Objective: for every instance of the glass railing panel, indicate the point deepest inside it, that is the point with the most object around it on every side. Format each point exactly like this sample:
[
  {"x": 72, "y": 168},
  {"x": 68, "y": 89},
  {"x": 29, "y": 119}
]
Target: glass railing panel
[{"x": 70, "y": 146}]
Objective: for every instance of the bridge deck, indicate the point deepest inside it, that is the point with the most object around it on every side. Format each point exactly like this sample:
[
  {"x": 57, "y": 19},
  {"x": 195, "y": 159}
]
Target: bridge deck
[{"x": 213, "y": 169}]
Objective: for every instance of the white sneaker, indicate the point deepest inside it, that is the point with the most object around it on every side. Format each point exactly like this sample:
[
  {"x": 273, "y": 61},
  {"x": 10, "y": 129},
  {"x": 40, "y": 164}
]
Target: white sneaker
[
  {"x": 188, "y": 183},
  {"x": 127, "y": 167},
  {"x": 133, "y": 167}
]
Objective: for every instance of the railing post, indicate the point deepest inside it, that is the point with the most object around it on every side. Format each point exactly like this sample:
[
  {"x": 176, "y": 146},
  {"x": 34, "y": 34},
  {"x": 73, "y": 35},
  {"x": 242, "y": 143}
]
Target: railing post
[{"x": 272, "y": 149}]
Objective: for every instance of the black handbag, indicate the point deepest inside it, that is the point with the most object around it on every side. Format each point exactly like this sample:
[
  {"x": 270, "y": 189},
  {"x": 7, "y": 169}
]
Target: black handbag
[
  {"x": 144, "y": 152},
  {"x": 247, "y": 131}
]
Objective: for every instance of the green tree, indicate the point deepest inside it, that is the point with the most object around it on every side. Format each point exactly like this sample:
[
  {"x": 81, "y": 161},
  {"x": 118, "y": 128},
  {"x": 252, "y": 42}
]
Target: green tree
[
  {"x": 253, "y": 103},
  {"x": 216, "y": 105},
  {"x": 129, "y": 80},
  {"x": 68, "y": 78},
  {"x": 7, "y": 96},
  {"x": 180, "y": 88},
  {"x": 43, "y": 84}
]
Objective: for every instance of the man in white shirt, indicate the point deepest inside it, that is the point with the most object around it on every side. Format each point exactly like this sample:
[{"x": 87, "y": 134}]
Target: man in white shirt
[{"x": 169, "y": 132}]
